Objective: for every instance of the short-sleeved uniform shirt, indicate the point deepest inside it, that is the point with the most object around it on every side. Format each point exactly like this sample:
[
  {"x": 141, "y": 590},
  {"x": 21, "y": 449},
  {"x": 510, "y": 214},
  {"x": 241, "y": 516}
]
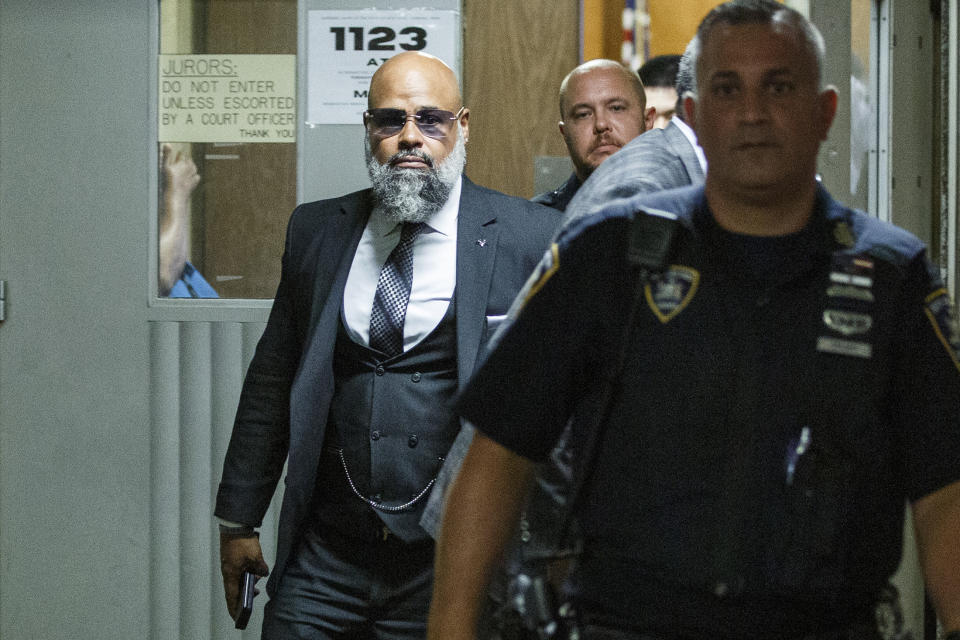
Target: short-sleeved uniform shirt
[{"x": 780, "y": 400}]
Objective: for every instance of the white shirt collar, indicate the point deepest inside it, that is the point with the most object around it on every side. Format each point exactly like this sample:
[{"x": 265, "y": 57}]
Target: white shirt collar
[
  {"x": 443, "y": 221},
  {"x": 692, "y": 137}
]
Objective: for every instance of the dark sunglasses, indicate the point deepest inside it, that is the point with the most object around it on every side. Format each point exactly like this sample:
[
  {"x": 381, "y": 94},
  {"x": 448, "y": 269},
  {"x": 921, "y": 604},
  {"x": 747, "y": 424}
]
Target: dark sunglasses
[{"x": 433, "y": 123}]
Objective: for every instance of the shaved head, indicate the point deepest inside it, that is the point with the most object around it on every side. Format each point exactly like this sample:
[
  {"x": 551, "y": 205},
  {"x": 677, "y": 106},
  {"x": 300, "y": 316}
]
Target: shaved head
[
  {"x": 633, "y": 80},
  {"x": 414, "y": 72},
  {"x": 602, "y": 108}
]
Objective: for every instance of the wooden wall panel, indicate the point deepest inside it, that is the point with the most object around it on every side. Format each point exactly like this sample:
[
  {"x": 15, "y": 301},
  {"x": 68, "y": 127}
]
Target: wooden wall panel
[
  {"x": 514, "y": 56},
  {"x": 252, "y": 191},
  {"x": 248, "y": 190}
]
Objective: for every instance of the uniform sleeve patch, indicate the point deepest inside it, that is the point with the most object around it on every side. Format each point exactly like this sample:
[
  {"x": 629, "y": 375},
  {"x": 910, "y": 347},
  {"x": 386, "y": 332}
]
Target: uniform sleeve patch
[
  {"x": 943, "y": 317},
  {"x": 541, "y": 274}
]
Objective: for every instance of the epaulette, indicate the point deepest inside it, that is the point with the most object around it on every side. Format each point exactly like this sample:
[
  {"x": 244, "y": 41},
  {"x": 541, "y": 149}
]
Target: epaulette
[{"x": 867, "y": 235}]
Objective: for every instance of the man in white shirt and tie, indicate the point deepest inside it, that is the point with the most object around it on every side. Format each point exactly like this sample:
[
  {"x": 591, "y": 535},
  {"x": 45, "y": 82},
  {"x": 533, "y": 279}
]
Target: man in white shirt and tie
[{"x": 385, "y": 299}]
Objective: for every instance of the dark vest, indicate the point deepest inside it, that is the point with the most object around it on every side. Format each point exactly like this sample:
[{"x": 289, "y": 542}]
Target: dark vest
[{"x": 392, "y": 419}]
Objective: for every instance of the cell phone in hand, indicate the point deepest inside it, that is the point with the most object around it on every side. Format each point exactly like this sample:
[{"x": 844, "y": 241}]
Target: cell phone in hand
[{"x": 247, "y": 592}]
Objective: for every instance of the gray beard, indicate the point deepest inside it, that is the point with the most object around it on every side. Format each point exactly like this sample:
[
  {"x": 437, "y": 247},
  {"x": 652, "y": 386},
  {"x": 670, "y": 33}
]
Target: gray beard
[{"x": 415, "y": 195}]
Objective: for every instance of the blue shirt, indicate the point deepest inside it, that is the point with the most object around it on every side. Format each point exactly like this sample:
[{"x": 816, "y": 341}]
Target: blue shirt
[{"x": 192, "y": 285}]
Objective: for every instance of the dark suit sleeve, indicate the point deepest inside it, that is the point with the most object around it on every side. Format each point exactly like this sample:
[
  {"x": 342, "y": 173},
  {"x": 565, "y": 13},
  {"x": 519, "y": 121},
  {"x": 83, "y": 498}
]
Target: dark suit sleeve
[
  {"x": 525, "y": 237},
  {"x": 261, "y": 431}
]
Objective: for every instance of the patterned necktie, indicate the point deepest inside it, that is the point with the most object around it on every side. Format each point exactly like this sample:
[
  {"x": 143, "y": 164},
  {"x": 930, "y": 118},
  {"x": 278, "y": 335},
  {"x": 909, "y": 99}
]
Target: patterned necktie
[{"x": 393, "y": 293}]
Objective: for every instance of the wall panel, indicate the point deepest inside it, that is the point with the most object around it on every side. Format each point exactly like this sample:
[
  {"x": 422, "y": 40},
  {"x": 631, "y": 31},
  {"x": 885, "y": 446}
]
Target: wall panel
[
  {"x": 515, "y": 54},
  {"x": 196, "y": 373},
  {"x": 249, "y": 189}
]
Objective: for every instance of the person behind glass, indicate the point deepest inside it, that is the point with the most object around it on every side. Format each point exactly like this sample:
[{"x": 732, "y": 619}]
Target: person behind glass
[
  {"x": 178, "y": 278},
  {"x": 602, "y": 108},
  {"x": 659, "y": 159},
  {"x": 659, "y": 78},
  {"x": 385, "y": 299},
  {"x": 790, "y": 379}
]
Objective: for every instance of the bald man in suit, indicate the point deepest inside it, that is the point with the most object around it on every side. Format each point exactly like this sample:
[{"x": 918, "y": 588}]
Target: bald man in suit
[{"x": 356, "y": 398}]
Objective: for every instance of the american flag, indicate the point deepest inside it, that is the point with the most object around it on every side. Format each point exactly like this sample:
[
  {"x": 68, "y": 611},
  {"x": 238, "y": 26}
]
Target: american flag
[{"x": 635, "y": 49}]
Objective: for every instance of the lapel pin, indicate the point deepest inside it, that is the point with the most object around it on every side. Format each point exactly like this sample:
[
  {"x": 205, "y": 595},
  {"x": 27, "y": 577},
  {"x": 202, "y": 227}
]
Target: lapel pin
[{"x": 482, "y": 242}]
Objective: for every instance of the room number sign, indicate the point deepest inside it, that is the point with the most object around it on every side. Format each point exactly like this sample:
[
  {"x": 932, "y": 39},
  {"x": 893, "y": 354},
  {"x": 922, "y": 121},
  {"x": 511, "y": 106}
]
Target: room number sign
[
  {"x": 345, "y": 48},
  {"x": 380, "y": 38}
]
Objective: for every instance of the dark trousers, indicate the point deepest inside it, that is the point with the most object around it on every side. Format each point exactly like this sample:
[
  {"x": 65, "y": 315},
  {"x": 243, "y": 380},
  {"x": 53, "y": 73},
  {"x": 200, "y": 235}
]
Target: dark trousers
[{"x": 335, "y": 588}]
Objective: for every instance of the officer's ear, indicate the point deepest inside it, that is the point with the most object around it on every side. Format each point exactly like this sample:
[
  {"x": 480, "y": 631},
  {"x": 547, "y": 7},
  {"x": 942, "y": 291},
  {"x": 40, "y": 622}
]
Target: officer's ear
[
  {"x": 828, "y": 109},
  {"x": 690, "y": 109}
]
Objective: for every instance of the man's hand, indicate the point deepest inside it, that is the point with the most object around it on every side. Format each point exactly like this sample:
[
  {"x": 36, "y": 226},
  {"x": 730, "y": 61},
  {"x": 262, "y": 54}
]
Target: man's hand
[
  {"x": 239, "y": 554},
  {"x": 179, "y": 178},
  {"x": 180, "y": 175},
  {"x": 936, "y": 519},
  {"x": 482, "y": 511}
]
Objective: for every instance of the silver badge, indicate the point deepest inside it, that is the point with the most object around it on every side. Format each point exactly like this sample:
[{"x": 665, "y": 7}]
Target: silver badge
[
  {"x": 847, "y": 322},
  {"x": 849, "y": 291},
  {"x": 849, "y": 278},
  {"x": 670, "y": 292},
  {"x": 844, "y": 347}
]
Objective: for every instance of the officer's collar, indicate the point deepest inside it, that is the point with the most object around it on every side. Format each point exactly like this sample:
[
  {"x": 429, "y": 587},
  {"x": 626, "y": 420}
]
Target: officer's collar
[
  {"x": 775, "y": 259},
  {"x": 829, "y": 224}
]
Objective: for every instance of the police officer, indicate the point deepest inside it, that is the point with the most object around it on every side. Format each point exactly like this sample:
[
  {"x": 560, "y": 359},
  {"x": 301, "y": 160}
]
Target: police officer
[{"x": 789, "y": 379}]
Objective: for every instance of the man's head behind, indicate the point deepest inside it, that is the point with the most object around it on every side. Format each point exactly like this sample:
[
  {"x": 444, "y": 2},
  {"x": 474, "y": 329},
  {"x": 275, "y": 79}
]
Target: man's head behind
[
  {"x": 659, "y": 77},
  {"x": 417, "y": 128},
  {"x": 757, "y": 104},
  {"x": 686, "y": 83},
  {"x": 602, "y": 107}
]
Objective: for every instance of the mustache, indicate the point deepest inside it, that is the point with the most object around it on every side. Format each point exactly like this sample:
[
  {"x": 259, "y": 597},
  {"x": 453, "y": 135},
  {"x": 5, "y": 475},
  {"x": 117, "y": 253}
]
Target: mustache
[
  {"x": 400, "y": 156},
  {"x": 605, "y": 139}
]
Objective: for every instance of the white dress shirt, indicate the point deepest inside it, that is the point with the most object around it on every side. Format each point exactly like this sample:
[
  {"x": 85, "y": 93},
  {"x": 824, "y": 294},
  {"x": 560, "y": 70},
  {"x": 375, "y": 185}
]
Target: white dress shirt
[
  {"x": 692, "y": 137},
  {"x": 434, "y": 272}
]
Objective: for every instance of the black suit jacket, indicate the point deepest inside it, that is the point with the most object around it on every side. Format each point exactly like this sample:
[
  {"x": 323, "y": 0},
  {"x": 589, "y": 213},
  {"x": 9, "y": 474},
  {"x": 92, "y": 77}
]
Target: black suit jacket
[{"x": 286, "y": 394}]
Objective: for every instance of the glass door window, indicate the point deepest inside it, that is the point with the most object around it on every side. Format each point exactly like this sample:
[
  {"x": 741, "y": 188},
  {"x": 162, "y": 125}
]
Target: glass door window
[{"x": 226, "y": 158}]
